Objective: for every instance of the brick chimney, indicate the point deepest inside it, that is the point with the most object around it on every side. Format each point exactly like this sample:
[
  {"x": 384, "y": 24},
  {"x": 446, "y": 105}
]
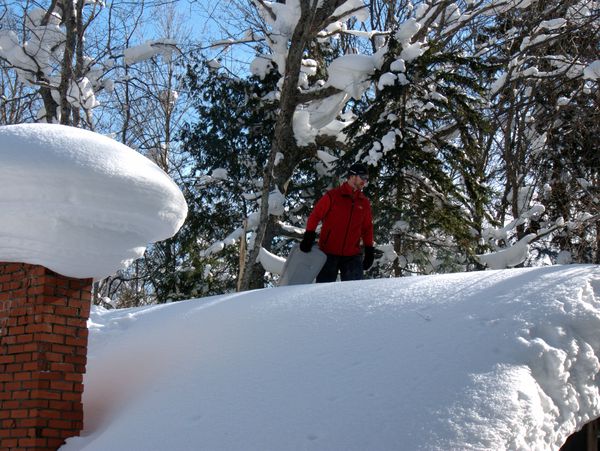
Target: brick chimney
[{"x": 43, "y": 348}]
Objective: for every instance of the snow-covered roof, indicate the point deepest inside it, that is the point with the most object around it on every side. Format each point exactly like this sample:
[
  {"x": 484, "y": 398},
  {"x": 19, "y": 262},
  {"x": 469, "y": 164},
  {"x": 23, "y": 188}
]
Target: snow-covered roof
[
  {"x": 492, "y": 360},
  {"x": 80, "y": 203}
]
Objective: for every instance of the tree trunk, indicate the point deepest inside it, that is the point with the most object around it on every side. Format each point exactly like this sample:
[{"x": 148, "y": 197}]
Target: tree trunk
[
  {"x": 283, "y": 141},
  {"x": 66, "y": 76}
]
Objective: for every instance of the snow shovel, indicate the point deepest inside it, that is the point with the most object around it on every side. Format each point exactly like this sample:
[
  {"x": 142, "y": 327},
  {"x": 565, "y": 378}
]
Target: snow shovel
[{"x": 302, "y": 267}]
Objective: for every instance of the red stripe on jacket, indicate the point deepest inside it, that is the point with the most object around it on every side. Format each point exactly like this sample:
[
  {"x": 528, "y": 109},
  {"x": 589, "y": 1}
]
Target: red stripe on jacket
[{"x": 346, "y": 217}]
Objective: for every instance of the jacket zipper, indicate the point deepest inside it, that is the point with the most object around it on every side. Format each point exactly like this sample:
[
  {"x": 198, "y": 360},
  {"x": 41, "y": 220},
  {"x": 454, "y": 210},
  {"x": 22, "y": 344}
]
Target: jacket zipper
[{"x": 348, "y": 226}]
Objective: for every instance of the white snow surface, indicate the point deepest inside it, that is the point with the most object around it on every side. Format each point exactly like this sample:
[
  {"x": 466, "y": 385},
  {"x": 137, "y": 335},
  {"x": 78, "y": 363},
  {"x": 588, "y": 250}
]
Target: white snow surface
[
  {"x": 350, "y": 73},
  {"x": 149, "y": 49},
  {"x": 592, "y": 72},
  {"x": 508, "y": 257},
  {"x": 79, "y": 203},
  {"x": 492, "y": 360}
]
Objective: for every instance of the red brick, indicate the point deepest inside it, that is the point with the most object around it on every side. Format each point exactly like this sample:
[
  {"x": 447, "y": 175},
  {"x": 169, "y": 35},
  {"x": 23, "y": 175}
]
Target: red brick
[
  {"x": 76, "y": 359},
  {"x": 62, "y": 386},
  {"x": 55, "y": 300},
  {"x": 50, "y": 338},
  {"x": 26, "y": 338},
  {"x": 75, "y": 341},
  {"x": 6, "y": 359},
  {"x": 36, "y": 289},
  {"x": 21, "y": 394},
  {"x": 12, "y": 286},
  {"x": 9, "y": 340},
  {"x": 71, "y": 396},
  {"x": 49, "y": 376},
  {"x": 17, "y": 431},
  {"x": 17, "y": 330},
  {"x": 36, "y": 403},
  {"x": 54, "y": 357},
  {"x": 83, "y": 332},
  {"x": 77, "y": 303},
  {"x": 43, "y": 347},
  {"x": 24, "y": 376},
  {"x": 19, "y": 413},
  {"x": 46, "y": 394},
  {"x": 38, "y": 327},
  {"x": 24, "y": 358},
  {"x": 32, "y": 442},
  {"x": 12, "y": 267},
  {"x": 24, "y": 320},
  {"x": 66, "y": 311},
  {"x": 47, "y": 432},
  {"x": 10, "y": 404},
  {"x": 62, "y": 349},
  {"x": 8, "y": 443},
  {"x": 51, "y": 414},
  {"x": 62, "y": 405},
  {"x": 55, "y": 443},
  {"x": 64, "y": 330},
  {"x": 53, "y": 319},
  {"x": 30, "y": 347},
  {"x": 29, "y": 423},
  {"x": 41, "y": 384},
  {"x": 74, "y": 377},
  {"x": 44, "y": 309},
  {"x": 35, "y": 365},
  {"x": 75, "y": 322},
  {"x": 62, "y": 367},
  {"x": 60, "y": 424},
  {"x": 7, "y": 424},
  {"x": 12, "y": 386},
  {"x": 19, "y": 293},
  {"x": 73, "y": 415}
]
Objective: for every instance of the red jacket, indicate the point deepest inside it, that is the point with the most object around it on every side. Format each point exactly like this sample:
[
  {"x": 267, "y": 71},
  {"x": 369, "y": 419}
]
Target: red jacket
[{"x": 346, "y": 217}]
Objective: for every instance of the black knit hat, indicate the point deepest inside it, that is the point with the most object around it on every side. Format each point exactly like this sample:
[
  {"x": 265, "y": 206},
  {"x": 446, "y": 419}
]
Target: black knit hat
[{"x": 357, "y": 169}]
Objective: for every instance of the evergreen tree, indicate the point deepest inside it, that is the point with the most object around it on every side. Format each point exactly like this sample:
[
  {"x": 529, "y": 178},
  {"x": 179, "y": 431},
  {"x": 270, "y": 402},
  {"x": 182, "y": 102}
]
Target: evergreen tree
[
  {"x": 547, "y": 114},
  {"x": 228, "y": 144},
  {"x": 420, "y": 133}
]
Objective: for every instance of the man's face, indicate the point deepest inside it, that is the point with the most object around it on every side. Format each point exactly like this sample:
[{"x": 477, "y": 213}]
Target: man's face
[{"x": 358, "y": 182}]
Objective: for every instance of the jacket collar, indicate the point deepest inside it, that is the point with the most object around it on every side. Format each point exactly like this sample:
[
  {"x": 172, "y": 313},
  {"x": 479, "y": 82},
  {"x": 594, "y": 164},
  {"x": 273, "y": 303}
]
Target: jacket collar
[{"x": 348, "y": 191}]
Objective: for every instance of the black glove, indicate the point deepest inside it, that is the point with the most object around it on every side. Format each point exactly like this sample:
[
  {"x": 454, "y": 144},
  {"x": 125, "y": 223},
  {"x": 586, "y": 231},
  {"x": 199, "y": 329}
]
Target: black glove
[
  {"x": 307, "y": 241},
  {"x": 369, "y": 257}
]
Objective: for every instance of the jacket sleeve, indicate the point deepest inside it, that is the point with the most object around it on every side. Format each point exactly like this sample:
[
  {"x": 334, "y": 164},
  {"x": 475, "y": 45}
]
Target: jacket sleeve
[
  {"x": 318, "y": 213},
  {"x": 367, "y": 227}
]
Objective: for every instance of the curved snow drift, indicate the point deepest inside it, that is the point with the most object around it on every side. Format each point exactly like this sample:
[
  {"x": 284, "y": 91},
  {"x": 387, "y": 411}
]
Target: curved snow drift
[
  {"x": 501, "y": 360},
  {"x": 80, "y": 203}
]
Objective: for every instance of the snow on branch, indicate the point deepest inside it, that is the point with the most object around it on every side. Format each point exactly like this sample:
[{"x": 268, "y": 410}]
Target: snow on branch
[
  {"x": 261, "y": 4},
  {"x": 149, "y": 49},
  {"x": 350, "y": 8},
  {"x": 40, "y": 58},
  {"x": 509, "y": 257},
  {"x": 276, "y": 208},
  {"x": 271, "y": 262},
  {"x": 592, "y": 71}
]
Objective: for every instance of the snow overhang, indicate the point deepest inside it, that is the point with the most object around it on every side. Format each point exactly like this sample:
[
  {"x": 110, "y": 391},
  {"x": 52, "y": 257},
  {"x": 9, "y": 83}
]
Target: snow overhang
[{"x": 80, "y": 203}]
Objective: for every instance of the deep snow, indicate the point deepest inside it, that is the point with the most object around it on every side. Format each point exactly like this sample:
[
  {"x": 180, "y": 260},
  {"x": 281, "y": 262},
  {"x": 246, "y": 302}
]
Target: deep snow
[
  {"x": 483, "y": 360},
  {"x": 80, "y": 203}
]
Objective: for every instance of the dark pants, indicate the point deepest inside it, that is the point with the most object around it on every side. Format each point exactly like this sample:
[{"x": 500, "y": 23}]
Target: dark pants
[{"x": 350, "y": 268}]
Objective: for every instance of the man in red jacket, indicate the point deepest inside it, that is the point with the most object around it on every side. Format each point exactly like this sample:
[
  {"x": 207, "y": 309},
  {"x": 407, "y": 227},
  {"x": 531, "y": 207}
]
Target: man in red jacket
[{"x": 346, "y": 216}]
